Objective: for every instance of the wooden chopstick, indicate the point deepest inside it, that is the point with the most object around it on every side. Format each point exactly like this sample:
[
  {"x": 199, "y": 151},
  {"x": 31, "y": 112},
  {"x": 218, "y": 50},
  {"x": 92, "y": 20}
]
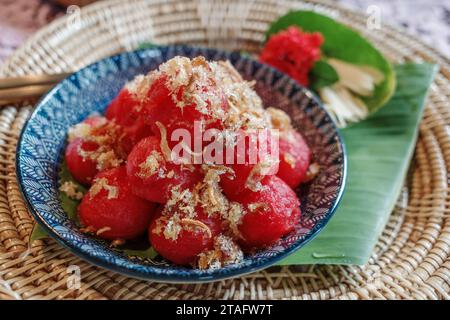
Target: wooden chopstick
[
  {"x": 24, "y": 81},
  {"x": 30, "y": 91},
  {"x": 17, "y": 88}
]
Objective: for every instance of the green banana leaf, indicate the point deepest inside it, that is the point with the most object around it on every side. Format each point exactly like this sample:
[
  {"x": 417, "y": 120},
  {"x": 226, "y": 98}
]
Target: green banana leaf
[
  {"x": 147, "y": 252},
  {"x": 379, "y": 151}
]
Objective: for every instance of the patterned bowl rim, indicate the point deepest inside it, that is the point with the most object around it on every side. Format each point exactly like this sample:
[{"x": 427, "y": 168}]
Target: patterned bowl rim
[{"x": 175, "y": 275}]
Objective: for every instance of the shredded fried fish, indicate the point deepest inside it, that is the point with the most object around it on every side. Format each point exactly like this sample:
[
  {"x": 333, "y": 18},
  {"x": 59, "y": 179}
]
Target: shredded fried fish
[
  {"x": 102, "y": 184},
  {"x": 198, "y": 224},
  {"x": 164, "y": 145},
  {"x": 71, "y": 190}
]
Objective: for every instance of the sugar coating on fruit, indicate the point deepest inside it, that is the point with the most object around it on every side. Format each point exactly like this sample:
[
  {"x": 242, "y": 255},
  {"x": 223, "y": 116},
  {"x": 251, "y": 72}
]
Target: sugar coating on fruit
[
  {"x": 197, "y": 224},
  {"x": 234, "y": 216},
  {"x": 245, "y": 106},
  {"x": 289, "y": 158},
  {"x": 209, "y": 196},
  {"x": 105, "y": 160},
  {"x": 279, "y": 119},
  {"x": 164, "y": 145},
  {"x": 152, "y": 175},
  {"x": 71, "y": 190},
  {"x": 151, "y": 164},
  {"x": 172, "y": 228},
  {"x": 103, "y": 133},
  {"x": 225, "y": 252},
  {"x": 80, "y": 130},
  {"x": 183, "y": 197},
  {"x": 186, "y": 80},
  {"x": 258, "y": 173},
  {"x": 102, "y": 184},
  {"x": 181, "y": 237},
  {"x": 139, "y": 86},
  {"x": 258, "y": 206}
]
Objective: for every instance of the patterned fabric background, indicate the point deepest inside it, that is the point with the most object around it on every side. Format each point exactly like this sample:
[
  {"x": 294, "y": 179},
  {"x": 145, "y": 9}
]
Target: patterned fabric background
[{"x": 429, "y": 19}]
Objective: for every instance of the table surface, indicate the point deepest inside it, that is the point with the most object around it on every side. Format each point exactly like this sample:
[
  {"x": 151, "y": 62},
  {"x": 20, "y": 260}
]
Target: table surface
[{"x": 428, "y": 19}]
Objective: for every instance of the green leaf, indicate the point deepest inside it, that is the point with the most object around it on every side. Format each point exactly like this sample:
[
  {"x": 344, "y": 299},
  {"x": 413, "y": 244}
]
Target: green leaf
[
  {"x": 148, "y": 45},
  {"x": 149, "y": 252},
  {"x": 322, "y": 75},
  {"x": 246, "y": 54},
  {"x": 345, "y": 44},
  {"x": 38, "y": 233},
  {"x": 69, "y": 205},
  {"x": 379, "y": 152}
]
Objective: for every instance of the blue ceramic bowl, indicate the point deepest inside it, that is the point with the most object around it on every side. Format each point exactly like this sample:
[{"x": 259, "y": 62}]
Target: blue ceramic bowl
[{"x": 89, "y": 90}]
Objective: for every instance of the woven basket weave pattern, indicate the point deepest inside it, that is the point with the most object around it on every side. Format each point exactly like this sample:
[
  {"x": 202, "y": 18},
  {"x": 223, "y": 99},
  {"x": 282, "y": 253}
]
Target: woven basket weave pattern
[{"x": 411, "y": 259}]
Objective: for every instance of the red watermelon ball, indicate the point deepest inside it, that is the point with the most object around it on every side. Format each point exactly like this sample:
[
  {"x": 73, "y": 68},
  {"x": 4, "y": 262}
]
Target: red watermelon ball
[{"x": 112, "y": 210}]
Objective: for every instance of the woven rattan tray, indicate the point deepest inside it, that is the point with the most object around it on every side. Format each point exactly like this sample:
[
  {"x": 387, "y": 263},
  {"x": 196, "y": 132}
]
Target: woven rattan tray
[{"x": 411, "y": 259}]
